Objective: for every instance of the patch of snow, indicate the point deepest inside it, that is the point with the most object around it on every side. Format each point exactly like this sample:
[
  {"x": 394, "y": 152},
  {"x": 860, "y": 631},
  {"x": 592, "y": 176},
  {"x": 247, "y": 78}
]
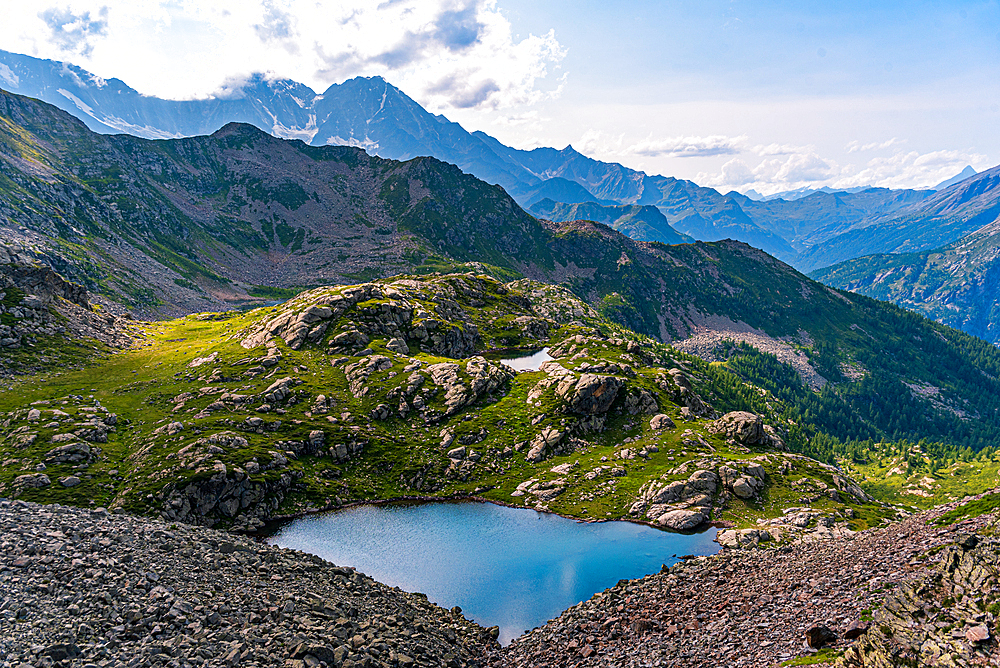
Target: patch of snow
[
  {"x": 80, "y": 104},
  {"x": 366, "y": 143},
  {"x": 380, "y": 107},
  {"x": 144, "y": 131},
  {"x": 306, "y": 134}
]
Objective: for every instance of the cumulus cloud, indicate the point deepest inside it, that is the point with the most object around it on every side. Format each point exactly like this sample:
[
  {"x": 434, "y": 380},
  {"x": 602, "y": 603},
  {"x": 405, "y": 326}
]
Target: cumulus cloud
[
  {"x": 909, "y": 169},
  {"x": 278, "y": 26},
  {"x": 72, "y": 32},
  {"x": 808, "y": 169},
  {"x": 689, "y": 147},
  {"x": 447, "y": 54}
]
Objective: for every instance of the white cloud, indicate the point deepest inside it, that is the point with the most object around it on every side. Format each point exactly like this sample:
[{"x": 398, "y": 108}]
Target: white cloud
[
  {"x": 856, "y": 146},
  {"x": 807, "y": 168},
  {"x": 780, "y": 149},
  {"x": 689, "y": 147},
  {"x": 910, "y": 169},
  {"x": 447, "y": 54}
]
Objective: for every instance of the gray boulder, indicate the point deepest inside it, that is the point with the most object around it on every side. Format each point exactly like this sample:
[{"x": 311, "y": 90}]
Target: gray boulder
[
  {"x": 681, "y": 520},
  {"x": 589, "y": 394},
  {"x": 661, "y": 421},
  {"x": 740, "y": 427}
]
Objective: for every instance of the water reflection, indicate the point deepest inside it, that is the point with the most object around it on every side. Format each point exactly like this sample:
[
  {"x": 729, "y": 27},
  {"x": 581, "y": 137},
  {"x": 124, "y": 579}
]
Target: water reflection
[
  {"x": 511, "y": 567},
  {"x": 526, "y": 362}
]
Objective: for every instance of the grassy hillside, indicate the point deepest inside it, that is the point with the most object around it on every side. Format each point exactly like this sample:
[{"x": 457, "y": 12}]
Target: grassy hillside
[{"x": 235, "y": 418}]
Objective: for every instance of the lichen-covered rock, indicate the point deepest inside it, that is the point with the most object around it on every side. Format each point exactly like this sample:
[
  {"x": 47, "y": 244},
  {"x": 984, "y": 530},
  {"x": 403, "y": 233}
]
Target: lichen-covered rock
[
  {"x": 589, "y": 394},
  {"x": 484, "y": 378},
  {"x": 678, "y": 388},
  {"x": 740, "y": 427},
  {"x": 71, "y": 453},
  {"x": 661, "y": 421},
  {"x": 31, "y": 481},
  {"x": 542, "y": 444}
]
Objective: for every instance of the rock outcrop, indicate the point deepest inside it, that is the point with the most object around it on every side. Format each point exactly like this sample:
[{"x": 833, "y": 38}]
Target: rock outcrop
[{"x": 37, "y": 303}]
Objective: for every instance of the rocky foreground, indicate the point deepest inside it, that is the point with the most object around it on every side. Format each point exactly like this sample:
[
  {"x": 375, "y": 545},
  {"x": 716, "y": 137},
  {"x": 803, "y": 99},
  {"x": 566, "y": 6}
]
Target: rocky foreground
[
  {"x": 928, "y": 588},
  {"x": 87, "y": 588}
]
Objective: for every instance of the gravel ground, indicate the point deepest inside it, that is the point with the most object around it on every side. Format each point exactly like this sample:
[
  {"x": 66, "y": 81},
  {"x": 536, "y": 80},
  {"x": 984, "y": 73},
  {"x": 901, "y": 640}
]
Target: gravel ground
[
  {"x": 85, "y": 588},
  {"x": 737, "y": 608}
]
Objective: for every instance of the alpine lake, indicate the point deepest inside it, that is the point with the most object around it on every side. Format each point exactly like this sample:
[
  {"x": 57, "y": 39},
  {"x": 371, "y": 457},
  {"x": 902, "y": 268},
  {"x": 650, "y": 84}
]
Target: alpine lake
[{"x": 510, "y": 567}]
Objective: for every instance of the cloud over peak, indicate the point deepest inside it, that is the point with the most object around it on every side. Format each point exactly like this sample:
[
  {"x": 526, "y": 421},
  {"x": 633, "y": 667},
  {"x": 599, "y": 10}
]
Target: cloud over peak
[{"x": 448, "y": 54}]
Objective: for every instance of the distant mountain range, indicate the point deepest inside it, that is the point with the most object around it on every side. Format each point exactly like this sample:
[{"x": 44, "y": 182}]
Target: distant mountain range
[
  {"x": 642, "y": 223},
  {"x": 205, "y": 223},
  {"x": 930, "y": 222},
  {"x": 957, "y": 284},
  {"x": 808, "y": 230}
]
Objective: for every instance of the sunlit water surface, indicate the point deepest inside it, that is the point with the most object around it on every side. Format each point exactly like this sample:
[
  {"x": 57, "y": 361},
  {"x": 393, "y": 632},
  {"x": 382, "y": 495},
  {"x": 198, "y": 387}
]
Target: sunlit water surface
[
  {"x": 510, "y": 567},
  {"x": 529, "y": 362}
]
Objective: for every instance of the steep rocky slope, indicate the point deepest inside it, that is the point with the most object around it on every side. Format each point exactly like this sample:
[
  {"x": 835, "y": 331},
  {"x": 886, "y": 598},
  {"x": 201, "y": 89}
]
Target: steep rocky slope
[
  {"x": 46, "y": 321},
  {"x": 955, "y": 284},
  {"x": 82, "y": 586},
  {"x": 911, "y": 594}
]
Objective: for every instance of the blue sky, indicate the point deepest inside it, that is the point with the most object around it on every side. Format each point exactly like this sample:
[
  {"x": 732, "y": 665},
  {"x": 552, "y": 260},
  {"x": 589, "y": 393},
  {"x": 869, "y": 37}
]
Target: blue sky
[{"x": 733, "y": 94}]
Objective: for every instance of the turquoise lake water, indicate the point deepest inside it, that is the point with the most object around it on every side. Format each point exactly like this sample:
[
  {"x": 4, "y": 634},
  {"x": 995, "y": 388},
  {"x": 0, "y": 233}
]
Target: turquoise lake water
[{"x": 510, "y": 567}]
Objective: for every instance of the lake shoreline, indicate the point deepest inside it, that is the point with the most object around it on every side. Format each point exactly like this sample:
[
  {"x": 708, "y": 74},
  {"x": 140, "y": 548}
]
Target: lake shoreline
[
  {"x": 447, "y": 549},
  {"x": 271, "y": 523}
]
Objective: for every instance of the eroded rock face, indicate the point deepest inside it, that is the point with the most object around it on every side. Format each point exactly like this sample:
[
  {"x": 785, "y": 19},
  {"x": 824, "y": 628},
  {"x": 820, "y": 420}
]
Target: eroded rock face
[
  {"x": 678, "y": 388},
  {"x": 589, "y": 394},
  {"x": 226, "y": 494},
  {"x": 481, "y": 378},
  {"x": 740, "y": 427},
  {"x": 927, "y": 622}
]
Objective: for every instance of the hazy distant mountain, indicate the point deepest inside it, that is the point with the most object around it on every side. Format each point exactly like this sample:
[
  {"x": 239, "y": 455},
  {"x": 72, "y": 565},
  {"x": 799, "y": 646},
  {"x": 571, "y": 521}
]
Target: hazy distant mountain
[
  {"x": 820, "y": 216},
  {"x": 640, "y": 222},
  {"x": 961, "y": 176},
  {"x": 943, "y": 217},
  {"x": 958, "y": 284},
  {"x": 805, "y": 191},
  {"x": 372, "y": 114}
]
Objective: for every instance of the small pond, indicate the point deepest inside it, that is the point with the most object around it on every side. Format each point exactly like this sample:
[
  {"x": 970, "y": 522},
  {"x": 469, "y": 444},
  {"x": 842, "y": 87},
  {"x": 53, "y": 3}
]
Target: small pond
[
  {"x": 526, "y": 361},
  {"x": 511, "y": 567}
]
